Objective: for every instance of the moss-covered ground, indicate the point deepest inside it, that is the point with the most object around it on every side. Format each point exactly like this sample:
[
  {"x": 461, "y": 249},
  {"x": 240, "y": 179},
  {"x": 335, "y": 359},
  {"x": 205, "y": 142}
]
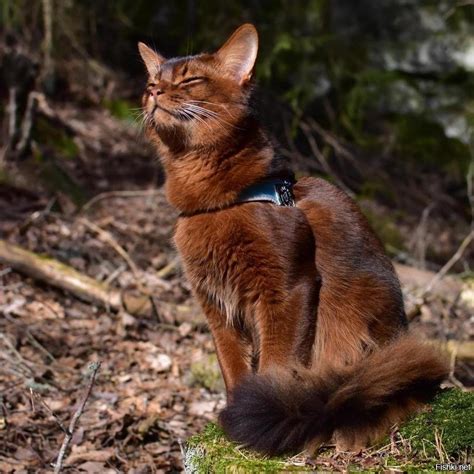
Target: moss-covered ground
[{"x": 442, "y": 433}]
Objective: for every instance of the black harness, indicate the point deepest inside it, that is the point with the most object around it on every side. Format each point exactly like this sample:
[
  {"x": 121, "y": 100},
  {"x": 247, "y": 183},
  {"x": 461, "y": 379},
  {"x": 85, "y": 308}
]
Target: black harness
[{"x": 277, "y": 191}]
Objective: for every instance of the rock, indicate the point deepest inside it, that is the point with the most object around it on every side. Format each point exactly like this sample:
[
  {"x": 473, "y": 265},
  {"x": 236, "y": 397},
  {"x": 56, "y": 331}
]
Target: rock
[
  {"x": 159, "y": 362},
  {"x": 202, "y": 408}
]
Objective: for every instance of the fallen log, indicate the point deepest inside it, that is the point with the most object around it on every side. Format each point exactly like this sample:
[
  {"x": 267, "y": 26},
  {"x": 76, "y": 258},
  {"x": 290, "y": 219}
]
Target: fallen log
[
  {"x": 449, "y": 287},
  {"x": 60, "y": 275},
  {"x": 462, "y": 350}
]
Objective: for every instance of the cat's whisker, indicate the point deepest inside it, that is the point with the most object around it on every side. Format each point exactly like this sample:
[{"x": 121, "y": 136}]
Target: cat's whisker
[
  {"x": 203, "y": 112},
  {"x": 140, "y": 117},
  {"x": 140, "y": 122},
  {"x": 199, "y": 110},
  {"x": 194, "y": 115},
  {"x": 195, "y": 101},
  {"x": 194, "y": 104},
  {"x": 189, "y": 114},
  {"x": 211, "y": 115}
]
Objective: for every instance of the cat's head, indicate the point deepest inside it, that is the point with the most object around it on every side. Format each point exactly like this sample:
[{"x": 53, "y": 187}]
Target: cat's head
[{"x": 199, "y": 99}]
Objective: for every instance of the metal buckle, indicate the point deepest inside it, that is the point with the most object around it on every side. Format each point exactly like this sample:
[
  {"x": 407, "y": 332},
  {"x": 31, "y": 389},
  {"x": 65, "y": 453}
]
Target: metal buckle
[{"x": 285, "y": 193}]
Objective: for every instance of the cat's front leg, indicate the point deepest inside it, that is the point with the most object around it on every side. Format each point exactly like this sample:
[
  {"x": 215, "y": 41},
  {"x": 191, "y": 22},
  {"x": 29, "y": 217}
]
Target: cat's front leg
[
  {"x": 286, "y": 324},
  {"x": 278, "y": 331},
  {"x": 231, "y": 347}
]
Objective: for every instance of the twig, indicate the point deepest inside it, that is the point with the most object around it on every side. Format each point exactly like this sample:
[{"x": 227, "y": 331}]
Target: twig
[
  {"x": 27, "y": 123},
  {"x": 168, "y": 268},
  {"x": 418, "y": 241},
  {"x": 452, "y": 367},
  {"x": 11, "y": 353},
  {"x": 37, "y": 396},
  {"x": 108, "y": 238},
  {"x": 448, "y": 265},
  {"x": 34, "y": 342},
  {"x": 121, "y": 194},
  {"x": 94, "y": 367},
  {"x": 47, "y": 6},
  {"x": 333, "y": 141},
  {"x": 465, "y": 3},
  {"x": 12, "y": 111},
  {"x": 322, "y": 158}
]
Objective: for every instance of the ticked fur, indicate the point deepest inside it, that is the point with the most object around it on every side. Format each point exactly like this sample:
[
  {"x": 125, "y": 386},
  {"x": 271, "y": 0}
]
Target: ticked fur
[{"x": 305, "y": 309}]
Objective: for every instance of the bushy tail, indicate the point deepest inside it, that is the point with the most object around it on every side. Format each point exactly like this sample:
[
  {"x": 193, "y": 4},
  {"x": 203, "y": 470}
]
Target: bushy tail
[{"x": 284, "y": 411}]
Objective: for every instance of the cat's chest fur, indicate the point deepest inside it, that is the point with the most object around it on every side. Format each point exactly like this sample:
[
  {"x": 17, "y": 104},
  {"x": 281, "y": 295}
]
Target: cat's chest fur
[{"x": 237, "y": 256}]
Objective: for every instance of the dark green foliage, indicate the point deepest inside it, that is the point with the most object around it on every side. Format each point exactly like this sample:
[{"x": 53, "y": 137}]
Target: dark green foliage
[
  {"x": 423, "y": 141},
  {"x": 55, "y": 138},
  {"x": 121, "y": 109},
  {"x": 391, "y": 79},
  {"x": 384, "y": 226}
]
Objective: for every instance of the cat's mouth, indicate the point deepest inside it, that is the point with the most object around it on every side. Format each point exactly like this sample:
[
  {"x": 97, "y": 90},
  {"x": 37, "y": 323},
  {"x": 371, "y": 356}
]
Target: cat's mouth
[
  {"x": 180, "y": 114},
  {"x": 169, "y": 112}
]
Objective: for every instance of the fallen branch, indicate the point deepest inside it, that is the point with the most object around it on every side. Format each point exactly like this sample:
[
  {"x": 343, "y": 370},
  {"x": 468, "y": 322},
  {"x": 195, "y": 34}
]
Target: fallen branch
[
  {"x": 57, "y": 274},
  {"x": 322, "y": 158},
  {"x": 415, "y": 279},
  {"x": 331, "y": 139},
  {"x": 63, "y": 276},
  {"x": 461, "y": 350},
  {"x": 449, "y": 264},
  {"x": 109, "y": 239},
  {"x": 119, "y": 194},
  {"x": 169, "y": 268},
  {"x": 27, "y": 124},
  {"x": 94, "y": 367}
]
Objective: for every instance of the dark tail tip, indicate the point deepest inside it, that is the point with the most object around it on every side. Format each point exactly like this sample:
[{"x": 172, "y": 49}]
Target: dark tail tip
[{"x": 273, "y": 417}]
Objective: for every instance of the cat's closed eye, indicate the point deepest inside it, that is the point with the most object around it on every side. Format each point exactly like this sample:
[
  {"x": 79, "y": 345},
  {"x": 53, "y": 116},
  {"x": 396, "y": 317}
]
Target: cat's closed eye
[{"x": 192, "y": 80}]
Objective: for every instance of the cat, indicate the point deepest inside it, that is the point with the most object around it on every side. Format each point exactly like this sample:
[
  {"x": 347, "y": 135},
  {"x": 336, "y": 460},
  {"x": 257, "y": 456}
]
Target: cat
[{"x": 304, "y": 307}]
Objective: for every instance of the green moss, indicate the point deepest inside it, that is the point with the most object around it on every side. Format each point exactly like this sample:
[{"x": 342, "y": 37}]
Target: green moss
[
  {"x": 211, "y": 452},
  {"x": 422, "y": 141},
  {"x": 386, "y": 229},
  {"x": 206, "y": 373},
  {"x": 56, "y": 138},
  {"x": 375, "y": 189},
  {"x": 450, "y": 420},
  {"x": 120, "y": 109},
  {"x": 56, "y": 179},
  {"x": 4, "y": 179}
]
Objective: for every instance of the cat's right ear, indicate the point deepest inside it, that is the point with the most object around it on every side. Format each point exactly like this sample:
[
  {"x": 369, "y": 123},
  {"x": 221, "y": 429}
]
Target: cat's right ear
[
  {"x": 151, "y": 58},
  {"x": 239, "y": 53}
]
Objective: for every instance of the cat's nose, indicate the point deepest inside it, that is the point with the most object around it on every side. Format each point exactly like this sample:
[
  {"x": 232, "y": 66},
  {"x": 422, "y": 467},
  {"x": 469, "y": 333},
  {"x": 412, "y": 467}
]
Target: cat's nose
[{"x": 155, "y": 91}]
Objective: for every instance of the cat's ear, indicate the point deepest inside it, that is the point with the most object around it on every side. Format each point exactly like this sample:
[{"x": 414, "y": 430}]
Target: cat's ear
[
  {"x": 239, "y": 53},
  {"x": 151, "y": 58}
]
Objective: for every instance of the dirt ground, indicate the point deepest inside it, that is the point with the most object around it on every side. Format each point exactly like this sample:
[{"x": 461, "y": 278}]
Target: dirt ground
[{"x": 147, "y": 398}]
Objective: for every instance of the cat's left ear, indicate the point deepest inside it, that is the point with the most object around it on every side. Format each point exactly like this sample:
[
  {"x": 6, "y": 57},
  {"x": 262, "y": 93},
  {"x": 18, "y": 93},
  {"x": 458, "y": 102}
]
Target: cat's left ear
[
  {"x": 151, "y": 58},
  {"x": 239, "y": 53}
]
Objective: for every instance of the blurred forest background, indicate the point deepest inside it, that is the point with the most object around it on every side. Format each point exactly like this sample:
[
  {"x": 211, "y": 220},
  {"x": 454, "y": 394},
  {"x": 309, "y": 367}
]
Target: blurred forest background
[{"x": 376, "y": 97}]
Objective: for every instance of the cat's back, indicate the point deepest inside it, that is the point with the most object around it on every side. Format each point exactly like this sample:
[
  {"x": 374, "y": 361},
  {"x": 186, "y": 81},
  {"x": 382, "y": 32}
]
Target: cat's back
[{"x": 336, "y": 219}]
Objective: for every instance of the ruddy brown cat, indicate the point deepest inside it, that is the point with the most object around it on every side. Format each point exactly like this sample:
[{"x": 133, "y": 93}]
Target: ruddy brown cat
[{"x": 304, "y": 306}]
